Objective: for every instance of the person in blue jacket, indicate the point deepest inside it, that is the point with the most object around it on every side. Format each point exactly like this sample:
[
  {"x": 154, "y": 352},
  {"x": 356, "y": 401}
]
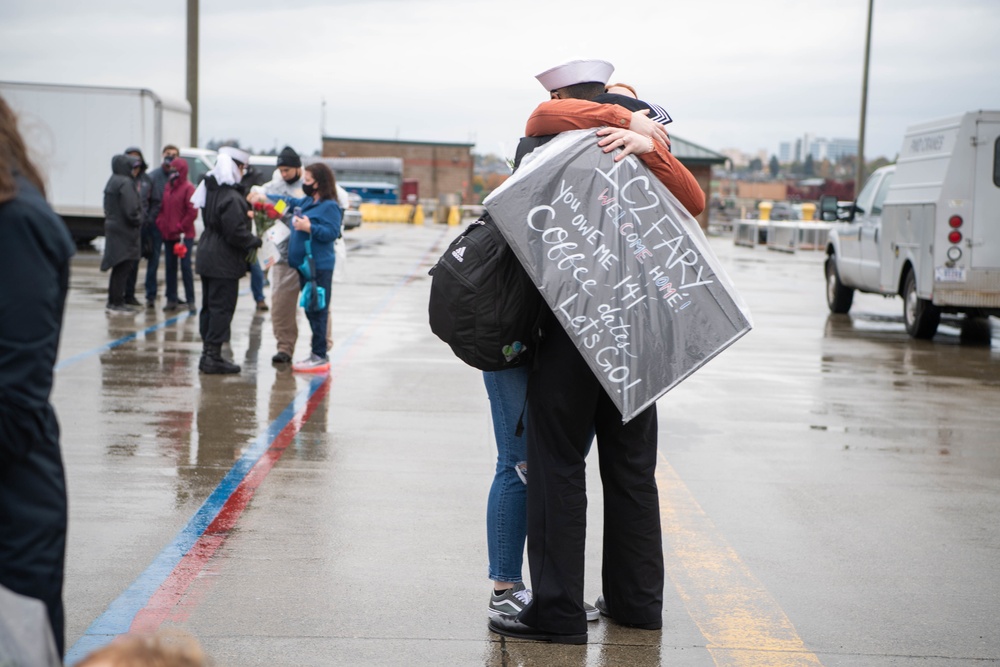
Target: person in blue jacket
[{"x": 318, "y": 226}]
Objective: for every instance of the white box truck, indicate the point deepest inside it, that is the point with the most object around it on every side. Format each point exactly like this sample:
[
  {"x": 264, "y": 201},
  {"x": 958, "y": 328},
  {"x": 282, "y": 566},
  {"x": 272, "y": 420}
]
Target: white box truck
[
  {"x": 72, "y": 132},
  {"x": 927, "y": 228}
]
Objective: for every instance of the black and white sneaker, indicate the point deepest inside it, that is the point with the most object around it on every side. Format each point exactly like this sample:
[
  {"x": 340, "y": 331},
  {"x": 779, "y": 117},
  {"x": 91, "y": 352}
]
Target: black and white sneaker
[{"x": 511, "y": 601}]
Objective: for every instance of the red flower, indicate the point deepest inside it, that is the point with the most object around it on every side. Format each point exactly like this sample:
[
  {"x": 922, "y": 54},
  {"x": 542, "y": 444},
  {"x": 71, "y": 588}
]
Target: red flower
[{"x": 264, "y": 215}]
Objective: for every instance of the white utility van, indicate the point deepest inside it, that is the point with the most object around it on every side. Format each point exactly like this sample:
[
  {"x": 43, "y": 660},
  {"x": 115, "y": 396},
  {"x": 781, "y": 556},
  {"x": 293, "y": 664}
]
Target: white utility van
[
  {"x": 926, "y": 228},
  {"x": 72, "y": 132}
]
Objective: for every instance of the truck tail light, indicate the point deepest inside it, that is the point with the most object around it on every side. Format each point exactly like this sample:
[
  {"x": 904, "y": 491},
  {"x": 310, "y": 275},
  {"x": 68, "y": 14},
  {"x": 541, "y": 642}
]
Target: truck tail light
[
  {"x": 955, "y": 236},
  {"x": 955, "y": 222}
]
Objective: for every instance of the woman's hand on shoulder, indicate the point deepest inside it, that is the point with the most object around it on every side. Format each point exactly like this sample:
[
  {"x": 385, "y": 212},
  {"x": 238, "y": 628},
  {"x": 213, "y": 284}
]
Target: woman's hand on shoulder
[
  {"x": 643, "y": 124},
  {"x": 629, "y": 141}
]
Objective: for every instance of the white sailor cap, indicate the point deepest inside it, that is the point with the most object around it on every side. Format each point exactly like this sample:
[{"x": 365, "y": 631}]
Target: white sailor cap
[
  {"x": 574, "y": 72},
  {"x": 238, "y": 155}
]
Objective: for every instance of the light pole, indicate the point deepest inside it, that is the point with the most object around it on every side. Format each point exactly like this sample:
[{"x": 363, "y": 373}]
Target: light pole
[
  {"x": 859, "y": 173},
  {"x": 192, "y": 66}
]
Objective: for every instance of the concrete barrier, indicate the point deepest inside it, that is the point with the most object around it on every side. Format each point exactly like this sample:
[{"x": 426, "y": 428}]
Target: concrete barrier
[
  {"x": 786, "y": 236},
  {"x": 392, "y": 213}
]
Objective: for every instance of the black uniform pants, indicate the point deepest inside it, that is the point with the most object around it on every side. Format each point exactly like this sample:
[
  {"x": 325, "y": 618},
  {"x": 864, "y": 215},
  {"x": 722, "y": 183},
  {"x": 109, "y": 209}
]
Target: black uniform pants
[
  {"x": 566, "y": 404},
  {"x": 117, "y": 283},
  {"x": 218, "y": 305}
]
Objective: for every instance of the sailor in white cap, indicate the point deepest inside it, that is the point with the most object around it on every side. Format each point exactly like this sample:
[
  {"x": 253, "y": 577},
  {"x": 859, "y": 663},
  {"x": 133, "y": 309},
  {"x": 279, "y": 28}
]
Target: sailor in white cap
[
  {"x": 566, "y": 407},
  {"x": 575, "y": 72},
  {"x": 222, "y": 253},
  {"x": 240, "y": 157},
  {"x": 627, "y": 125}
]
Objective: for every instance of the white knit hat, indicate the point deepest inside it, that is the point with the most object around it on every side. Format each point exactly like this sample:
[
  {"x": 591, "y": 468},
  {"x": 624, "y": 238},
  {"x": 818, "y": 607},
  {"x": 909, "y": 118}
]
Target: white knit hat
[{"x": 574, "y": 72}]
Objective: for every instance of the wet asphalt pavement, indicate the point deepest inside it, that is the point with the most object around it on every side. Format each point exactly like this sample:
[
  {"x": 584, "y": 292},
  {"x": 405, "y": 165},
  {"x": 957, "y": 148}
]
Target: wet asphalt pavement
[{"x": 830, "y": 488}]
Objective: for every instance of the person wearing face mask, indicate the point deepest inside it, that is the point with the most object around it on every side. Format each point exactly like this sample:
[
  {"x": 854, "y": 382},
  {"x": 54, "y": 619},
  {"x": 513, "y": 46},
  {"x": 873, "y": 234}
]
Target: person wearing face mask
[
  {"x": 158, "y": 178},
  {"x": 287, "y": 182},
  {"x": 319, "y": 224},
  {"x": 122, "y": 220},
  {"x": 222, "y": 253},
  {"x": 175, "y": 224},
  {"x": 148, "y": 237}
]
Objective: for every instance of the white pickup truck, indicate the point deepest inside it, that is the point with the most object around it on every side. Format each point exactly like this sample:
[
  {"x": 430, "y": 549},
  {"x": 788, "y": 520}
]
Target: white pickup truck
[{"x": 926, "y": 228}]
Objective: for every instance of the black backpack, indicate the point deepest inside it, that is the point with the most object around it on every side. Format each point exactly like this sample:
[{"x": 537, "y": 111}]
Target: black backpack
[{"x": 483, "y": 304}]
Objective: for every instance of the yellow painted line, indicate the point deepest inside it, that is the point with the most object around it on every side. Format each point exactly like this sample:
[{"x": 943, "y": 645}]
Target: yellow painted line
[{"x": 742, "y": 624}]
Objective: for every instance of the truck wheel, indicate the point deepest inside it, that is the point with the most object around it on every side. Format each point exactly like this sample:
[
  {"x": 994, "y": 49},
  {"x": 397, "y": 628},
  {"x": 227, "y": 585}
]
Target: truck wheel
[
  {"x": 838, "y": 296},
  {"x": 920, "y": 315}
]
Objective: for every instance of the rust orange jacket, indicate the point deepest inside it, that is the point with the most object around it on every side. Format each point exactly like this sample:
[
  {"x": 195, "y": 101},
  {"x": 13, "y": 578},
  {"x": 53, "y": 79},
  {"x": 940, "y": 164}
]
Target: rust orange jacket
[{"x": 555, "y": 116}]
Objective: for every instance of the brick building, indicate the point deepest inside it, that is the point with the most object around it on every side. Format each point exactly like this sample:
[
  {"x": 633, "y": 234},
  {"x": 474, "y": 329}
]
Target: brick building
[{"x": 442, "y": 170}]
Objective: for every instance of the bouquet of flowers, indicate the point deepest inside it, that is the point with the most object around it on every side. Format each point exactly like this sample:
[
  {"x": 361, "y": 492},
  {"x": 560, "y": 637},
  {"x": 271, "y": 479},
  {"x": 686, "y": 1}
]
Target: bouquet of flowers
[{"x": 264, "y": 215}]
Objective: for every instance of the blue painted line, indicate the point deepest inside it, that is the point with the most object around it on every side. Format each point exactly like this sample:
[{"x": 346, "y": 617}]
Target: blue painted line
[
  {"x": 121, "y": 341},
  {"x": 118, "y": 617},
  {"x": 132, "y": 336}
]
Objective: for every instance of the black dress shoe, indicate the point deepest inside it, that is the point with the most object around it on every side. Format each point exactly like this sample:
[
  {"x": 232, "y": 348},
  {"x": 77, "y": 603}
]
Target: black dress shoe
[
  {"x": 603, "y": 608},
  {"x": 281, "y": 358},
  {"x": 216, "y": 365},
  {"x": 509, "y": 626}
]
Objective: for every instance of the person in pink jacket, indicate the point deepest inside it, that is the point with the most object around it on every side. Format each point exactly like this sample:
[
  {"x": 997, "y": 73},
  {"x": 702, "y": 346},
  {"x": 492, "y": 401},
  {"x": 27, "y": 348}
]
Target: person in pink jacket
[{"x": 176, "y": 225}]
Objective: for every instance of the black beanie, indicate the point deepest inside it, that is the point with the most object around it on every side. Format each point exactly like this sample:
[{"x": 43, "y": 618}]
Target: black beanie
[{"x": 289, "y": 158}]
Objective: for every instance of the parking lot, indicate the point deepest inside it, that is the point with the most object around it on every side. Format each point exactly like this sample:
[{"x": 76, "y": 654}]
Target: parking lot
[{"x": 829, "y": 487}]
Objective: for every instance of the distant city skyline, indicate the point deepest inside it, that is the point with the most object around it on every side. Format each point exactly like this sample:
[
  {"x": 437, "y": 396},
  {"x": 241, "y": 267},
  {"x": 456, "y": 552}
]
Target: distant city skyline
[
  {"x": 795, "y": 150},
  {"x": 820, "y": 148}
]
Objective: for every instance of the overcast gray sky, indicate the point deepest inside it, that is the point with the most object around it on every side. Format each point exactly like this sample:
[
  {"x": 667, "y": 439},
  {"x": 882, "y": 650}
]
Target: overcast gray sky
[{"x": 732, "y": 73}]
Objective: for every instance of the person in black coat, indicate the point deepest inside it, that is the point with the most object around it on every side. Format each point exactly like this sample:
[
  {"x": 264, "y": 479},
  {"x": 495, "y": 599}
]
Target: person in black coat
[
  {"x": 149, "y": 238},
  {"x": 122, "y": 220},
  {"x": 37, "y": 252},
  {"x": 222, "y": 253}
]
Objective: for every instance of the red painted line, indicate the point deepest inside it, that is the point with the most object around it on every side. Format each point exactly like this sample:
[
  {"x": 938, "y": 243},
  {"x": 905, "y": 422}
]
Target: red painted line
[{"x": 171, "y": 594}]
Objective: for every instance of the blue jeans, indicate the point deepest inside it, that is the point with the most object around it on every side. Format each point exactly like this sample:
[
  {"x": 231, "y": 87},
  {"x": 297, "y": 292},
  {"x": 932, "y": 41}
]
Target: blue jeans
[
  {"x": 170, "y": 262},
  {"x": 317, "y": 320},
  {"x": 256, "y": 281},
  {"x": 506, "y": 508},
  {"x": 145, "y": 232}
]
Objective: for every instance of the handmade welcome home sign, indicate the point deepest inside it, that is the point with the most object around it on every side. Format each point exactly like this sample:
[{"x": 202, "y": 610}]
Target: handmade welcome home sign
[{"x": 621, "y": 263}]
